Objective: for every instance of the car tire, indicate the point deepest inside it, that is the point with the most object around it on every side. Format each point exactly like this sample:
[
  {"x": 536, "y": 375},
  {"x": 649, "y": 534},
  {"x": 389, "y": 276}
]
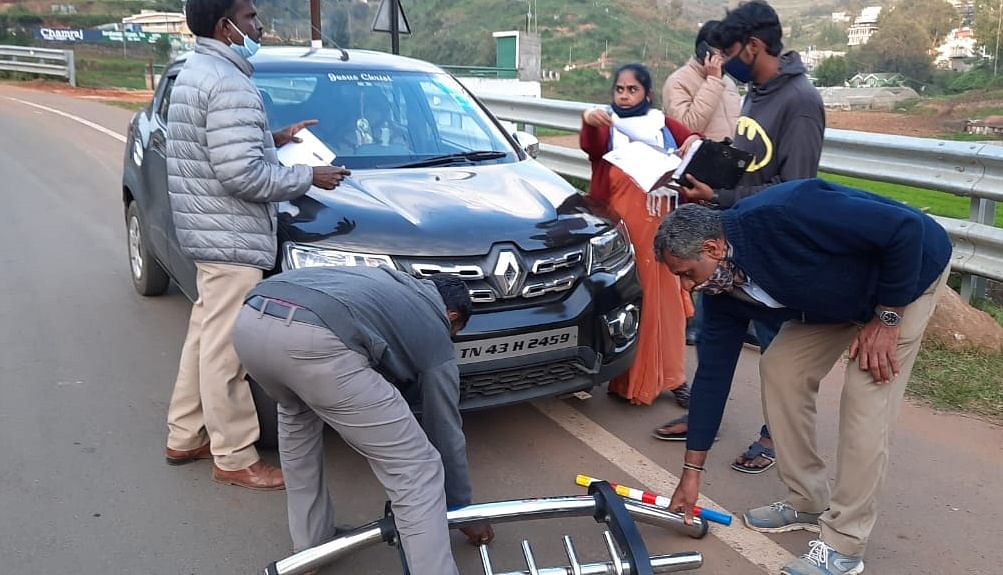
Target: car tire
[
  {"x": 148, "y": 277},
  {"x": 268, "y": 416}
]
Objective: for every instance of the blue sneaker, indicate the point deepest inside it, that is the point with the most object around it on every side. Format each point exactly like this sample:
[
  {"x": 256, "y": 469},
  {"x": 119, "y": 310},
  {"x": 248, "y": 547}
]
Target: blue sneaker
[
  {"x": 780, "y": 517},
  {"x": 824, "y": 560}
]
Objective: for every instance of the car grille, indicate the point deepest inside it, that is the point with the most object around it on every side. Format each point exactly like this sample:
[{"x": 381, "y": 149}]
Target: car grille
[
  {"x": 508, "y": 277},
  {"x": 494, "y": 383}
]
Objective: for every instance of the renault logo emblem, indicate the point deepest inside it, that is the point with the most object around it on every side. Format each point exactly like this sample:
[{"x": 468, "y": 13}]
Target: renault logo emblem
[{"x": 507, "y": 273}]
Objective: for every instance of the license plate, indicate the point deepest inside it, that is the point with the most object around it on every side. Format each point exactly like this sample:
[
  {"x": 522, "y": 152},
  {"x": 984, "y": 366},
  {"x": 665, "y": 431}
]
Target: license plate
[{"x": 516, "y": 345}]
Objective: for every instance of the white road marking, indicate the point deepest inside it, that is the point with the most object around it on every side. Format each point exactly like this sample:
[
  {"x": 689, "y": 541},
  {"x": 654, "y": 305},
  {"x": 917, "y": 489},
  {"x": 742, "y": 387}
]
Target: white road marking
[
  {"x": 754, "y": 547},
  {"x": 78, "y": 119}
]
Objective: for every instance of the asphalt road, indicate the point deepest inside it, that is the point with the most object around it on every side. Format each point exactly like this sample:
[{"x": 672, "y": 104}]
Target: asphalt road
[{"x": 87, "y": 365}]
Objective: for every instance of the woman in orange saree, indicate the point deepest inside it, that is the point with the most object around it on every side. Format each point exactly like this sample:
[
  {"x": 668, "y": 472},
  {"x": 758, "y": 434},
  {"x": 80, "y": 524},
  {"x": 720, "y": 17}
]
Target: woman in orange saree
[{"x": 660, "y": 361}]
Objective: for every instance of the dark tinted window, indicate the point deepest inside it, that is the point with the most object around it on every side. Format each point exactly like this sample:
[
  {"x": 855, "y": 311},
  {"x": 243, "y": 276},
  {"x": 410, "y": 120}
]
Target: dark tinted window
[
  {"x": 165, "y": 100},
  {"x": 382, "y": 119}
]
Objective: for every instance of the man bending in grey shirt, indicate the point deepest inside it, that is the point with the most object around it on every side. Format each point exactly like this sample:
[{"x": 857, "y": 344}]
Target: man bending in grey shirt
[{"x": 326, "y": 343}]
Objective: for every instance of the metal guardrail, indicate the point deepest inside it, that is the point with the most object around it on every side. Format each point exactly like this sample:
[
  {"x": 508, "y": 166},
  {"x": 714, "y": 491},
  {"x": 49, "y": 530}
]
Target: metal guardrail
[
  {"x": 43, "y": 61},
  {"x": 481, "y": 71},
  {"x": 968, "y": 169}
]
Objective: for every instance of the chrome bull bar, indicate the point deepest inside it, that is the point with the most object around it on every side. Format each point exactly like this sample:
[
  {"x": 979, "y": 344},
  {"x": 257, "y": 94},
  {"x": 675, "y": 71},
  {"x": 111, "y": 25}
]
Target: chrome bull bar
[{"x": 628, "y": 555}]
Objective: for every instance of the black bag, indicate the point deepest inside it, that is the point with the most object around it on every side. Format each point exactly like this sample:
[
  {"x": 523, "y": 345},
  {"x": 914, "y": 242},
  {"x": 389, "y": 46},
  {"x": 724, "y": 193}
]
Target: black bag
[{"x": 717, "y": 164}]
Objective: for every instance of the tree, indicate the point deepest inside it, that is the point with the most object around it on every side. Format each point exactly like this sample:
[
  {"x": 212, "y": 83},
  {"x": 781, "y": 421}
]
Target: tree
[
  {"x": 906, "y": 36},
  {"x": 894, "y": 48},
  {"x": 162, "y": 48},
  {"x": 832, "y": 71},
  {"x": 936, "y": 17},
  {"x": 987, "y": 27},
  {"x": 832, "y": 35}
]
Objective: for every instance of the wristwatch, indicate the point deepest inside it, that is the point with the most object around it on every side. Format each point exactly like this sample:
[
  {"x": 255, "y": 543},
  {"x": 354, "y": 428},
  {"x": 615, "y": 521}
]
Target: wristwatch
[{"x": 888, "y": 317}]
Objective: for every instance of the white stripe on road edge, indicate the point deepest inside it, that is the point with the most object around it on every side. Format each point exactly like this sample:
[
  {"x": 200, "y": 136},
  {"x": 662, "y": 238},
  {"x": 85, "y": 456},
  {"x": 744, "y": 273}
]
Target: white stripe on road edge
[
  {"x": 754, "y": 547},
  {"x": 87, "y": 123}
]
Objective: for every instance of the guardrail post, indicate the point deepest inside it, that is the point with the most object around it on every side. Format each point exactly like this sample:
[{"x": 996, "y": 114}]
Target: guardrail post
[
  {"x": 71, "y": 68},
  {"x": 982, "y": 211}
]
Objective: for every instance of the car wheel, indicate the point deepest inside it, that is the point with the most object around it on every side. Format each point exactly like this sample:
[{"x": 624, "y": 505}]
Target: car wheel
[
  {"x": 148, "y": 277},
  {"x": 268, "y": 416}
]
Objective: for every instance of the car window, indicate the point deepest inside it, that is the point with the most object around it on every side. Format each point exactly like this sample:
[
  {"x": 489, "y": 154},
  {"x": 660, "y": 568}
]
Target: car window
[
  {"x": 382, "y": 119},
  {"x": 165, "y": 99}
]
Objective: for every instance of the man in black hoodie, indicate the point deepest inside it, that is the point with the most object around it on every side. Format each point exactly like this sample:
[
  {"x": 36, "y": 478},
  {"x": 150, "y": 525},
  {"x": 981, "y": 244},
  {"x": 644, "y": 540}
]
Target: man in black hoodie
[
  {"x": 782, "y": 125},
  {"x": 783, "y": 120}
]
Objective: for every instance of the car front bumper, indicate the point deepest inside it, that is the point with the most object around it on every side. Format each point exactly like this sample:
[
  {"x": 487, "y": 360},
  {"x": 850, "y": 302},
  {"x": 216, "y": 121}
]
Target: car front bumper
[{"x": 597, "y": 357}]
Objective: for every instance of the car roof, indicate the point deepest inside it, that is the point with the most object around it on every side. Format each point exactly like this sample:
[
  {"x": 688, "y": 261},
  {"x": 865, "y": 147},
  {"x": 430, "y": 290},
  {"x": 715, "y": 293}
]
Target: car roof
[{"x": 305, "y": 58}]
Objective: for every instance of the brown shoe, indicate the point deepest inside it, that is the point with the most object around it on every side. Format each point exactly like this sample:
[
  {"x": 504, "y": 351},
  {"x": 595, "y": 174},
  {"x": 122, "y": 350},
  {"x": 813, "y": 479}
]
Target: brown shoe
[
  {"x": 260, "y": 476},
  {"x": 178, "y": 457}
]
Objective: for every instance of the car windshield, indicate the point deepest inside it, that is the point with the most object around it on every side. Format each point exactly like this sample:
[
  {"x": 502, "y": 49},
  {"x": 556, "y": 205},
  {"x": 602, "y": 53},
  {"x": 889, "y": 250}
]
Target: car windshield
[{"x": 386, "y": 119}]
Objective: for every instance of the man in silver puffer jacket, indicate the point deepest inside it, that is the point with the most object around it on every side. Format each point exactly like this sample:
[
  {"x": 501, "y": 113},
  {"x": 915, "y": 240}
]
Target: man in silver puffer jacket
[{"x": 223, "y": 175}]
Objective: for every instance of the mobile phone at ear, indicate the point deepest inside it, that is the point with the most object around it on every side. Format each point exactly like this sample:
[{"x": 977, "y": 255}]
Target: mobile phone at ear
[{"x": 703, "y": 48}]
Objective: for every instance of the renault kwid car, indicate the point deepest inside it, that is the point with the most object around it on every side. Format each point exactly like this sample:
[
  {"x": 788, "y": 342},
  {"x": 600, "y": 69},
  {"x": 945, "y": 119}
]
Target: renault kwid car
[{"x": 437, "y": 186}]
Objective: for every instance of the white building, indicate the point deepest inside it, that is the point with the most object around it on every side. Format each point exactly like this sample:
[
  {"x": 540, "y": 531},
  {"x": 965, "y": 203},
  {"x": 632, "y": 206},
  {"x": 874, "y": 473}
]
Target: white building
[
  {"x": 959, "y": 45},
  {"x": 865, "y": 25},
  {"x": 153, "y": 22},
  {"x": 812, "y": 57},
  {"x": 840, "y": 17}
]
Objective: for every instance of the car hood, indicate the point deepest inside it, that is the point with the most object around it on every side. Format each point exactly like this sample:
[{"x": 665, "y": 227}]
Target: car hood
[{"x": 443, "y": 211}]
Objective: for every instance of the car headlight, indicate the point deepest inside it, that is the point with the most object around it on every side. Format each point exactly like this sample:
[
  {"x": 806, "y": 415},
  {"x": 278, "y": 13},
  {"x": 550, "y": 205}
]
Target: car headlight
[
  {"x": 300, "y": 256},
  {"x": 611, "y": 250}
]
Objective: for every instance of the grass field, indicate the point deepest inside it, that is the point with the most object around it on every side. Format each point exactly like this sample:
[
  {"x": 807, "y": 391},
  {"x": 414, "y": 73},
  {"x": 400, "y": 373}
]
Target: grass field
[
  {"x": 936, "y": 203},
  {"x": 969, "y": 381},
  {"x": 98, "y": 72}
]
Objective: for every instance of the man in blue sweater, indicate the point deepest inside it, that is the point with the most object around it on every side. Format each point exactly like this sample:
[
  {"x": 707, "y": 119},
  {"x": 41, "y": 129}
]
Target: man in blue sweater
[
  {"x": 844, "y": 269},
  {"x": 782, "y": 125}
]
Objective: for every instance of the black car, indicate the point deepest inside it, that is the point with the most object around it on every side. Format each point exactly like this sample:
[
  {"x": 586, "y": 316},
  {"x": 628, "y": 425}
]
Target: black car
[{"x": 437, "y": 186}]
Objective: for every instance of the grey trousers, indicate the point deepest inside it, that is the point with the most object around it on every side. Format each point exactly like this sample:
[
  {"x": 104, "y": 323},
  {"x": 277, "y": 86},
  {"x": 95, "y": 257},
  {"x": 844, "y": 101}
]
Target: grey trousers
[{"x": 316, "y": 379}]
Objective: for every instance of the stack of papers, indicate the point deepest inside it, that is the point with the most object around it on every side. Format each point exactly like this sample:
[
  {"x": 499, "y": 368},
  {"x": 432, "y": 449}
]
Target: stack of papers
[
  {"x": 649, "y": 167},
  {"x": 311, "y": 151}
]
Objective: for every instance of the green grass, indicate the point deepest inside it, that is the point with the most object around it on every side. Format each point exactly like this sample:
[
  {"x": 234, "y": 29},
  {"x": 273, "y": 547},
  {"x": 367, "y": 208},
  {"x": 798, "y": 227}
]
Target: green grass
[
  {"x": 933, "y": 202},
  {"x": 98, "y": 72},
  {"x": 97, "y": 79},
  {"x": 131, "y": 106},
  {"x": 542, "y": 132},
  {"x": 963, "y": 137},
  {"x": 990, "y": 307},
  {"x": 967, "y": 380}
]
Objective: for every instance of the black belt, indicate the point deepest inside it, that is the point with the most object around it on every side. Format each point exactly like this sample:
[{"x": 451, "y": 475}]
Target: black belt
[{"x": 283, "y": 310}]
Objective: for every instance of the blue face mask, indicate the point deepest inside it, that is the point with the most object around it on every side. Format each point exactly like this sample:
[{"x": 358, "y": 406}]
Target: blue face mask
[
  {"x": 739, "y": 70},
  {"x": 248, "y": 48}
]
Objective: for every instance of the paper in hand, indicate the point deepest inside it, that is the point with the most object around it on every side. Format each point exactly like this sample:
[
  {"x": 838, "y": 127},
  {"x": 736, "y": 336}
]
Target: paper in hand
[
  {"x": 310, "y": 151},
  {"x": 648, "y": 167}
]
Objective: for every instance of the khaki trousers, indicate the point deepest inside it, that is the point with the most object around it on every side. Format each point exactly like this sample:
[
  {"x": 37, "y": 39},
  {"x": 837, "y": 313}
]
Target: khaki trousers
[
  {"x": 795, "y": 363},
  {"x": 212, "y": 400}
]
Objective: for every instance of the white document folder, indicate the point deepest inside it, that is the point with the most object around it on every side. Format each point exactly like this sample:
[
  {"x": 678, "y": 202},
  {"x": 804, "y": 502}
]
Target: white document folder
[{"x": 311, "y": 151}]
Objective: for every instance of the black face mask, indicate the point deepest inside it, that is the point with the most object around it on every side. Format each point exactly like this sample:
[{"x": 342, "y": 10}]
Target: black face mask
[
  {"x": 638, "y": 110},
  {"x": 739, "y": 70}
]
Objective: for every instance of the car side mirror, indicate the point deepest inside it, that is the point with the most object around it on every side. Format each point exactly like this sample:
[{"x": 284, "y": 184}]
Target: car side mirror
[{"x": 528, "y": 142}]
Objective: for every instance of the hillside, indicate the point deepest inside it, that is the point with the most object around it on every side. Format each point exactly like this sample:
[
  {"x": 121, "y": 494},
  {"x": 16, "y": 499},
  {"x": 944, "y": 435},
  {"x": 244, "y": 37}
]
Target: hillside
[
  {"x": 458, "y": 32},
  {"x": 583, "y": 40},
  {"x": 577, "y": 32}
]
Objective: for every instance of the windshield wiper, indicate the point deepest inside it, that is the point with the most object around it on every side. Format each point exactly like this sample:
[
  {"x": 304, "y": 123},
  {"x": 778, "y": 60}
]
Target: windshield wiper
[{"x": 447, "y": 159}]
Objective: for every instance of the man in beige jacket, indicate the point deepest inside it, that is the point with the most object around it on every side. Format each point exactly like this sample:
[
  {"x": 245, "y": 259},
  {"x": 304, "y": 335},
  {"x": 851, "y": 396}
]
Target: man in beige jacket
[
  {"x": 702, "y": 98},
  {"x": 699, "y": 95}
]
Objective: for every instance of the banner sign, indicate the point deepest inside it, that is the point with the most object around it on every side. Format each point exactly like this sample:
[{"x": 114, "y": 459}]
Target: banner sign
[{"x": 99, "y": 36}]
